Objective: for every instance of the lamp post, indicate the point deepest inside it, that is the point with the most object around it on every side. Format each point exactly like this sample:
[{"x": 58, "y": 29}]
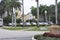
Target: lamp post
[
  {"x": 37, "y": 12},
  {"x": 46, "y": 16},
  {"x": 56, "y": 11}
]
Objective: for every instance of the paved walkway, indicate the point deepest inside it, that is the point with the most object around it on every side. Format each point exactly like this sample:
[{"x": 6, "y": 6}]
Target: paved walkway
[{"x": 15, "y": 35}]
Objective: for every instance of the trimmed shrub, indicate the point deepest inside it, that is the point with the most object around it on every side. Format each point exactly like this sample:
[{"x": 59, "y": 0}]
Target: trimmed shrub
[
  {"x": 41, "y": 37},
  {"x": 51, "y": 35}
]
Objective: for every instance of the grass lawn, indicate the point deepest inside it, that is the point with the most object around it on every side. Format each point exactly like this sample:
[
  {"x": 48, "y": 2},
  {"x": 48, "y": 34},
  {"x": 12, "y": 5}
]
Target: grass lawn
[
  {"x": 15, "y": 28},
  {"x": 41, "y": 28},
  {"x": 29, "y": 28}
]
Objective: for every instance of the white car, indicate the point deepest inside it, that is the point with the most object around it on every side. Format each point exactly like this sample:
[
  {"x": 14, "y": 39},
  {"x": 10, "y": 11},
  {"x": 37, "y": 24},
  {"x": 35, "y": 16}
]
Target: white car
[
  {"x": 50, "y": 22},
  {"x": 1, "y": 22},
  {"x": 10, "y": 24},
  {"x": 33, "y": 23},
  {"x": 43, "y": 23},
  {"x": 46, "y": 23},
  {"x": 27, "y": 23},
  {"x": 21, "y": 23}
]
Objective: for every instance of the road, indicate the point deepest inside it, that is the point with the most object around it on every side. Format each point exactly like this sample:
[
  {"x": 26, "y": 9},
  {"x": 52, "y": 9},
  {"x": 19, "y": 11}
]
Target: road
[
  {"x": 18, "y": 35},
  {"x": 17, "y": 38}
]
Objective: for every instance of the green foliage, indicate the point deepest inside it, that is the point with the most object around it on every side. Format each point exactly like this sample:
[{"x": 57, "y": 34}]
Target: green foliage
[
  {"x": 7, "y": 5},
  {"x": 50, "y": 11},
  {"x": 34, "y": 11},
  {"x": 18, "y": 20},
  {"x": 41, "y": 37},
  {"x": 7, "y": 19},
  {"x": 15, "y": 28}
]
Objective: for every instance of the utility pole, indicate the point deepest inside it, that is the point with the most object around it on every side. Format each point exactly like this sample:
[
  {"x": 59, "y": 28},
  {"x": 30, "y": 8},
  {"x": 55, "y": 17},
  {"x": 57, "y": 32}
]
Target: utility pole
[
  {"x": 37, "y": 12},
  {"x": 23, "y": 11},
  {"x": 56, "y": 12}
]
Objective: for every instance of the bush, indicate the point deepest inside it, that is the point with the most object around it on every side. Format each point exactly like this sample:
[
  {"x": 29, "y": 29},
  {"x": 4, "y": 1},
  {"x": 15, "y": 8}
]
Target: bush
[
  {"x": 18, "y": 20},
  {"x": 51, "y": 35},
  {"x": 7, "y": 20},
  {"x": 41, "y": 37},
  {"x": 38, "y": 36}
]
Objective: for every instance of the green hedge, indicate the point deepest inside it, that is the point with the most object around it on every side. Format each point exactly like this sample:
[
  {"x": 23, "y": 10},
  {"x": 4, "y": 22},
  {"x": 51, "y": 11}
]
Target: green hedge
[{"x": 41, "y": 37}]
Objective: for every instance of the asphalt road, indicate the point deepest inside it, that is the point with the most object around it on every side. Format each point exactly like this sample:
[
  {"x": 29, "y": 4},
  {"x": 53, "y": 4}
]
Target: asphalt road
[
  {"x": 18, "y": 35},
  {"x": 17, "y": 38}
]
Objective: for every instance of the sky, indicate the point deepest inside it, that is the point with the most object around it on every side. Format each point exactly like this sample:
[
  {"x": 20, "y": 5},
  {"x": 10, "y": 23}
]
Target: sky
[{"x": 29, "y": 3}]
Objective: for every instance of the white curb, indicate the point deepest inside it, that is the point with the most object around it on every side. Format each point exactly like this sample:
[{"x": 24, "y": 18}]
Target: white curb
[{"x": 33, "y": 38}]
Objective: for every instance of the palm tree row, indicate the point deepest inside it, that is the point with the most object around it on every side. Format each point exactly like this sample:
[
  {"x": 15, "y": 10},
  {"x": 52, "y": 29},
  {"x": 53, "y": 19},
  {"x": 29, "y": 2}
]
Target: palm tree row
[{"x": 8, "y": 5}]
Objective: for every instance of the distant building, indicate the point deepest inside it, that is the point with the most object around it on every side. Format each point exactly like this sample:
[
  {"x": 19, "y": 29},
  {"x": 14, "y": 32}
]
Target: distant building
[
  {"x": 28, "y": 16},
  {"x": 19, "y": 14}
]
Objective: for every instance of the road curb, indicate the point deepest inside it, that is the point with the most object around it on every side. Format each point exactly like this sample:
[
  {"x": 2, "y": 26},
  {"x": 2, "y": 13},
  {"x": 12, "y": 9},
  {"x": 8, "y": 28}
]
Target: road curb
[{"x": 33, "y": 38}]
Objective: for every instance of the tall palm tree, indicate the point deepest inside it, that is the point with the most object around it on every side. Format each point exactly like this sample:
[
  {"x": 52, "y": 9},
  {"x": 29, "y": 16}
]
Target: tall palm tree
[
  {"x": 56, "y": 11},
  {"x": 14, "y": 4},
  {"x": 37, "y": 12},
  {"x": 8, "y": 5}
]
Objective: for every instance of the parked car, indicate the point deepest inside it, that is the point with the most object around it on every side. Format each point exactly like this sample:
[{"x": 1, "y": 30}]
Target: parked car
[
  {"x": 1, "y": 22},
  {"x": 43, "y": 23},
  {"x": 21, "y": 23},
  {"x": 50, "y": 22},
  {"x": 46, "y": 23},
  {"x": 33, "y": 23},
  {"x": 27, "y": 23},
  {"x": 10, "y": 24}
]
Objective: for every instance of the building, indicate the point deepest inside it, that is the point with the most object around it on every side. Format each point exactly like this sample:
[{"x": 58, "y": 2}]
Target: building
[{"x": 28, "y": 16}]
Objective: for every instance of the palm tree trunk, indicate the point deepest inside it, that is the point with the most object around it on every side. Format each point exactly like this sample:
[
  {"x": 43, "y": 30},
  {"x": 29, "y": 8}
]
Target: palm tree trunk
[
  {"x": 56, "y": 11},
  {"x": 23, "y": 12},
  {"x": 37, "y": 12},
  {"x": 12, "y": 17}
]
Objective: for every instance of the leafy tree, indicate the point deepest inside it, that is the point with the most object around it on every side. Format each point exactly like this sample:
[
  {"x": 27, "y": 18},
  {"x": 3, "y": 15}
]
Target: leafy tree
[
  {"x": 7, "y": 18},
  {"x": 18, "y": 20},
  {"x": 34, "y": 11},
  {"x": 7, "y": 5},
  {"x": 50, "y": 12}
]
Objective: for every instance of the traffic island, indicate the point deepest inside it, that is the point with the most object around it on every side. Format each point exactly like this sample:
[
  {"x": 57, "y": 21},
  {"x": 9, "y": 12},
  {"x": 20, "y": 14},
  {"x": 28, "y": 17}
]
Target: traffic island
[{"x": 53, "y": 34}]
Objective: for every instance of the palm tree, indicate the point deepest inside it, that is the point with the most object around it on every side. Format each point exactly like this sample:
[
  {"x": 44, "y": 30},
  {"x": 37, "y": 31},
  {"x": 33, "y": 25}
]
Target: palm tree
[
  {"x": 14, "y": 4},
  {"x": 56, "y": 11},
  {"x": 8, "y": 5},
  {"x": 37, "y": 12}
]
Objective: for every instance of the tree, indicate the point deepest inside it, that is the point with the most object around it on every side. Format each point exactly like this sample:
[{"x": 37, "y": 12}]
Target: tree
[
  {"x": 50, "y": 11},
  {"x": 8, "y": 5},
  {"x": 34, "y": 11}
]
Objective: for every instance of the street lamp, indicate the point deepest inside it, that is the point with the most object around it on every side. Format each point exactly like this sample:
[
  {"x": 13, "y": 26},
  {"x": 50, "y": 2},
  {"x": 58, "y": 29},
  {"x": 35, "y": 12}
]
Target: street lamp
[
  {"x": 46, "y": 15},
  {"x": 37, "y": 12}
]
